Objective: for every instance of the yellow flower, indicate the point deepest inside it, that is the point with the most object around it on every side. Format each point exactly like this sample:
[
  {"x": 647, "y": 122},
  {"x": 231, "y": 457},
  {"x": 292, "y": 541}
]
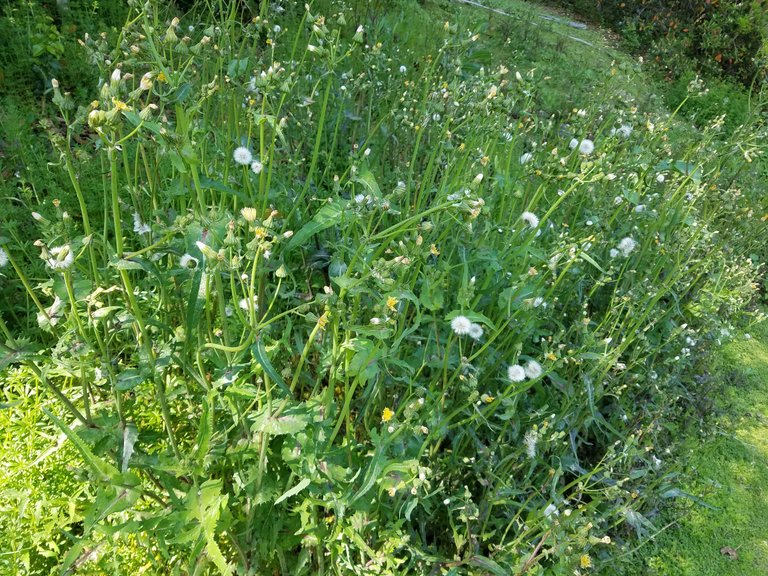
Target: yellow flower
[
  {"x": 551, "y": 356},
  {"x": 161, "y": 77},
  {"x": 391, "y": 303},
  {"x": 120, "y": 105},
  {"x": 585, "y": 561},
  {"x": 434, "y": 251},
  {"x": 386, "y": 415}
]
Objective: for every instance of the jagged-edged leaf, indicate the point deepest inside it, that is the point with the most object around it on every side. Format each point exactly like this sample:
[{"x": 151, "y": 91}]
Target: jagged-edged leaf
[{"x": 99, "y": 466}]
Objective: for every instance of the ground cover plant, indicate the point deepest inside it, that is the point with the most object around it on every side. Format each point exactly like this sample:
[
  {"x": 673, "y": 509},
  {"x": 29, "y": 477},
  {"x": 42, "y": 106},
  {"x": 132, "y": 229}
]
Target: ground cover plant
[{"x": 343, "y": 307}]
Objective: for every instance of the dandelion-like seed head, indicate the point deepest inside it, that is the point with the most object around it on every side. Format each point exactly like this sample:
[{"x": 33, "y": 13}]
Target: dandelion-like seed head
[
  {"x": 461, "y": 325},
  {"x": 61, "y": 257},
  {"x": 242, "y": 156},
  {"x": 188, "y": 261},
  {"x": 257, "y": 166},
  {"x": 533, "y": 369},
  {"x": 530, "y": 440},
  {"x": 475, "y": 331},
  {"x": 627, "y": 245},
  {"x": 516, "y": 373},
  {"x": 625, "y": 131},
  {"x": 138, "y": 226},
  {"x": 530, "y": 219},
  {"x": 244, "y": 303},
  {"x": 587, "y": 147},
  {"x": 573, "y": 143}
]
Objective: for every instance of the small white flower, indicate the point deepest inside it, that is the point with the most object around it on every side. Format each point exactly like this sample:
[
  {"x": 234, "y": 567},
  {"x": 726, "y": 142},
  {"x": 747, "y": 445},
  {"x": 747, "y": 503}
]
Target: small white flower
[
  {"x": 533, "y": 369},
  {"x": 188, "y": 261},
  {"x": 256, "y": 166},
  {"x": 573, "y": 143},
  {"x": 586, "y": 147},
  {"x": 475, "y": 331},
  {"x": 140, "y": 227},
  {"x": 3, "y": 258},
  {"x": 461, "y": 325},
  {"x": 530, "y": 218},
  {"x": 62, "y": 257},
  {"x": 538, "y": 301},
  {"x": 403, "y": 69},
  {"x": 516, "y": 373},
  {"x": 525, "y": 158},
  {"x": 627, "y": 245},
  {"x": 242, "y": 156},
  {"x": 640, "y": 208},
  {"x": 660, "y": 178},
  {"x": 277, "y": 29},
  {"x": 614, "y": 252}
]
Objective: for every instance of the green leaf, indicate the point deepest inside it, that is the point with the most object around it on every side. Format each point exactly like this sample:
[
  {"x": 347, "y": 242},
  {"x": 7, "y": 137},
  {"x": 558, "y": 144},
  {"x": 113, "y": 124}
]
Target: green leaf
[
  {"x": 431, "y": 297},
  {"x": 130, "y": 435},
  {"x": 100, "y": 467},
  {"x": 260, "y": 353},
  {"x": 205, "y": 430},
  {"x": 368, "y": 181},
  {"x": 488, "y": 565},
  {"x": 129, "y": 379},
  {"x": 295, "y": 490},
  {"x": 237, "y": 67},
  {"x": 329, "y": 215},
  {"x": 290, "y": 422}
]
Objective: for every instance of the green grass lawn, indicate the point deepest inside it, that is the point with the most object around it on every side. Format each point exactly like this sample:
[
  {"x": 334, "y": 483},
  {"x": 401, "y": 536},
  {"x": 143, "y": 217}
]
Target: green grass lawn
[{"x": 728, "y": 468}]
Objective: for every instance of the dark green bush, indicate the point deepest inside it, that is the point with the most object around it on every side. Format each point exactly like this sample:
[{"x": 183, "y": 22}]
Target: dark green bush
[
  {"x": 709, "y": 100},
  {"x": 723, "y": 39}
]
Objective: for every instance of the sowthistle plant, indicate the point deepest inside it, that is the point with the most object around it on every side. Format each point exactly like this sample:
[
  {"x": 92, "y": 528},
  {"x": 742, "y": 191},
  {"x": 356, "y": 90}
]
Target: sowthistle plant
[{"x": 342, "y": 312}]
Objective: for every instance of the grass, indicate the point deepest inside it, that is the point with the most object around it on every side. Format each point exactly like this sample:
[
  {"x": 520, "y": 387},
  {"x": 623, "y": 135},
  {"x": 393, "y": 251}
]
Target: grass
[{"x": 727, "y": 466}]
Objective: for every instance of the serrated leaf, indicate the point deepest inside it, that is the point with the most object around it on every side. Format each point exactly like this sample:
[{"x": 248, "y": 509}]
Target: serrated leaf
[{"x": 99, "y": 466}]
